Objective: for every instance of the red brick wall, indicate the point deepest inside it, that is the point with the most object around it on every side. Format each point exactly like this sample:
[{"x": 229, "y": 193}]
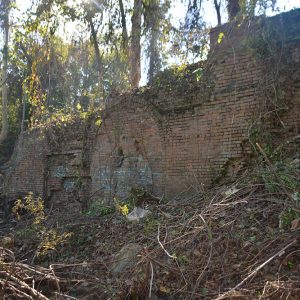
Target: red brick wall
[
  {"x": 27, "y": 171},
  {"x": 165, "y": 139},
  {"x": 128, "y": 151}
]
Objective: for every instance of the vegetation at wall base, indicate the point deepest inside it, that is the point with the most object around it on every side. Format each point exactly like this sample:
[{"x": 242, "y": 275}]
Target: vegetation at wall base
[{"x": 239, "y": 239}]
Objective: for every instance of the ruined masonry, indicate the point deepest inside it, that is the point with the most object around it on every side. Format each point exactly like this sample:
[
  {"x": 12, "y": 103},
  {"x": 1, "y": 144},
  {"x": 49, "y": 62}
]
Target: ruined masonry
[{"x": 174, "y": 136}]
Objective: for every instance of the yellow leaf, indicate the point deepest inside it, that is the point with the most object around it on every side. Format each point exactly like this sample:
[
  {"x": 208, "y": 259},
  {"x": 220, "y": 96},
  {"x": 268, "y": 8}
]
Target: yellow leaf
[
  {"x": 124, "y": 209},
  {"x": 220, "y": 37},
  {"x": 164, "y": 289},
  {"x": 98, "y": 122}
]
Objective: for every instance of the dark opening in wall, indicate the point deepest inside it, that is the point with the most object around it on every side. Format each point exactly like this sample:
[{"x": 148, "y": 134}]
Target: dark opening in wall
[
  {"x": 119, "y": 158},
  {"x": 137, "y": 146}
]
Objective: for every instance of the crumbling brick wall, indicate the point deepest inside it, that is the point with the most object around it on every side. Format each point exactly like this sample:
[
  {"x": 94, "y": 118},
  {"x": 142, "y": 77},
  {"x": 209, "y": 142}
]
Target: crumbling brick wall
[
  {"x": 165, "y": 138},
  {"x": 51, "y": 162},
  {"x": 128, "y": 151},
  {"x": 27, "y": 169}
]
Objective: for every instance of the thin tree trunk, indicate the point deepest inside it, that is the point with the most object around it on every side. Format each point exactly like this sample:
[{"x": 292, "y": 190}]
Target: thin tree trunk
[
  {"x": 217, "y": 8},
  {"x": 23, "y": 108},
  {"x": 4, "y": 129},
  {"x": 135, "y": 55},
  {"x": 124, "y": 29},
  {"x": 98, "y": 59},
  {"x": 24, "y": 85},
  {"x": 252, "y": 7}
]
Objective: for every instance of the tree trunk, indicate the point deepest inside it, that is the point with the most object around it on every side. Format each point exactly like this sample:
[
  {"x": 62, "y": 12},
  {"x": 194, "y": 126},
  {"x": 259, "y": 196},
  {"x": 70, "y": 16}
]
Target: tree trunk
[
  {"x": 4, "y": 129},
  {"x": 233, "y": 8},
  {"x": 23, "y": 109},
  {"x": 154, "y": 59},
  {"x": 154, "y": 23},
  {"x": 124, "y": 29},
  {"x": 217, "y": 8},
  {"x": 24, "y": 85},
  {"x": 98, "y": 59},
  {"x": 135, "y": 55},
  {"x": 252, "y": 5}
]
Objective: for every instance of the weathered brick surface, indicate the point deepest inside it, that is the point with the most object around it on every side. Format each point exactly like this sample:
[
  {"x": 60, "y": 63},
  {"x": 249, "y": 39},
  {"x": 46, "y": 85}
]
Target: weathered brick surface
[
  {"x": 164, "y": 139},
  {"x": 27, "y": 170}
]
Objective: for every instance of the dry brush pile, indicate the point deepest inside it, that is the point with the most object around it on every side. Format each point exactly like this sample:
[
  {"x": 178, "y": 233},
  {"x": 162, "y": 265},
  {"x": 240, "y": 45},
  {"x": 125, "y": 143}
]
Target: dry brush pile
[{"x": 238, "y": 241}]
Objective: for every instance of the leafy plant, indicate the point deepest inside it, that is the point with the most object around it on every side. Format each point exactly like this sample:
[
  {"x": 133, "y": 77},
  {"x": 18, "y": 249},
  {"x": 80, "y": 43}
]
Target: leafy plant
[
  {"x": 99, "y": 209},
  {"x": 47, "y": 239},
  {"x": 286, "y": 218},
  {"x": 123, "y": 209},
  {"x": 150, "y": 224},
  {"x": 136, "y": 195},
  {"x": 51, "y": 240},
  {"x": 26, "y": 233},
  {"x": 35, "y": 207}
]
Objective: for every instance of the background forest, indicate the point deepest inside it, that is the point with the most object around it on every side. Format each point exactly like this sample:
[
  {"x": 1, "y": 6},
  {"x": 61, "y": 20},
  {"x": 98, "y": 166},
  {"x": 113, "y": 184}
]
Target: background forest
[
  {"x": 145, "y": 164},
  {"x": 60, "y": 57}
]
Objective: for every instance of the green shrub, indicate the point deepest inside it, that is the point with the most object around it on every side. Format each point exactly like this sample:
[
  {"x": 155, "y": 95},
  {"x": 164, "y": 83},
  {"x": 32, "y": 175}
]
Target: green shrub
[{"x": 99, "y": 209}]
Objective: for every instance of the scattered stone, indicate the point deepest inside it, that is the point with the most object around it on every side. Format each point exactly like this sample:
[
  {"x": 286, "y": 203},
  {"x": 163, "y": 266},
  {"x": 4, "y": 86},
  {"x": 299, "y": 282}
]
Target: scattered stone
[
  {"x": 231, "y": 191},
  {"x": 7, "y": 242},
  {"x": 126, "y": 258},
  {"x": 137, "y": 214}
]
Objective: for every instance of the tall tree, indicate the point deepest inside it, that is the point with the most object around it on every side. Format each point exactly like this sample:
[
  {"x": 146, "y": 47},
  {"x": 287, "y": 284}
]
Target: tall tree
[
  {"x": 5, "y": 6},
  {"x": 90, "y": 11},
  {"x": 233, "y": 8},
  {"x": 135, "y": 49},
  {"x": 218, "y": 11},
  {"x": 153, "y": 16},
  {"x": 193, "y": 38},
  {"x": 125, "y": 43}
]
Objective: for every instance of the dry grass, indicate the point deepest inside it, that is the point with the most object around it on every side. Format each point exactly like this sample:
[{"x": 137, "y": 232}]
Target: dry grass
[{"x": 239, "y": 241}]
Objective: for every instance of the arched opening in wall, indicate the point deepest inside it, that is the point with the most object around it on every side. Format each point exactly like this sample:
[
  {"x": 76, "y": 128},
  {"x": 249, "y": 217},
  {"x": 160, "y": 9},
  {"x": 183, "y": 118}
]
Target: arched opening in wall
[{"x": 128, "y": 154}]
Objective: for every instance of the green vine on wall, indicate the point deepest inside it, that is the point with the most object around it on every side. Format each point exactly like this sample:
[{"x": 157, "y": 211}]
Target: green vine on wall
[{"x": 270, "y": 48}]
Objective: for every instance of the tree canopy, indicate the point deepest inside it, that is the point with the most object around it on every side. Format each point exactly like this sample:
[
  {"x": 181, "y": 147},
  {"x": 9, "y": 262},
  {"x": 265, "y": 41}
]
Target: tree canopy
[{"x": 63, "y": 56}]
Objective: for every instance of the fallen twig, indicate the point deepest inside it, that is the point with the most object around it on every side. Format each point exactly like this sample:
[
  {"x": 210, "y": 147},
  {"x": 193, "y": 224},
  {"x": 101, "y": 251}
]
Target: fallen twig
[{"x": 279, "y": 253}]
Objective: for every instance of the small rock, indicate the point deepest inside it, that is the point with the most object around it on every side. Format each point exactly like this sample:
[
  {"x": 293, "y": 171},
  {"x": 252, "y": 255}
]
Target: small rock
[
  {"x": 247, "y": 244},
  {"x": 295, "y": 224},
  {"x": 231, "y": 191},
  {"x": 7, "y": 242},
  {"x": 126, "y": 258},
  {"x": 137, "y": 214}
]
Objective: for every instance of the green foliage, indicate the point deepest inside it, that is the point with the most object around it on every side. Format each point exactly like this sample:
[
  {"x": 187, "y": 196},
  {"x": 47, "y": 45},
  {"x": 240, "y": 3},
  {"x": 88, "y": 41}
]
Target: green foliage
[
  {"x": 261, "y": 135},
  {"x": 150, "y": 224},
  {"x": 290, "y": 264},
  {"x": 178, "y": 76},
  {"x": 262, "y": 45},
  {"x": 27, "y": 233},
  {"x": 284, "y": 174},
  {"x": 283, "y": 179},
  {"x": 98, "y": 209},
  {"x": 268, "y": 47},
  {"x": 198, "y": 72},
  {"x": 33, "y": 206},
  {"x": 47, "y": 239},
  {"x": 135, "y": 196},
  {"x": 183, "y": 259},
  {"x": 286, "y": 217}
]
